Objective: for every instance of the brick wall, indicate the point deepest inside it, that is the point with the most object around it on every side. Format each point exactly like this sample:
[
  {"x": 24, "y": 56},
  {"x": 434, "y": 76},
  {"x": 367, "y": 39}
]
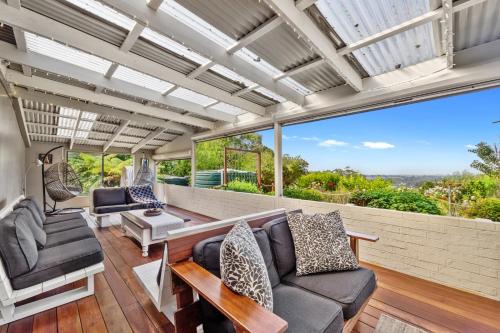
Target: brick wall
[{"x": 458, "y": 252}]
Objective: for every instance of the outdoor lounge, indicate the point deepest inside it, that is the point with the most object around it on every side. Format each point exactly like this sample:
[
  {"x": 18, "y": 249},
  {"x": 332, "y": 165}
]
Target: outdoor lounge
[{"x": 255, "y": 166}]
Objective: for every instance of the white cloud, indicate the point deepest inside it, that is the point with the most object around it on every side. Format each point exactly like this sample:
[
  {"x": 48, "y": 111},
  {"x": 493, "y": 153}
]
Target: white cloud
[
  {"x": 470, "y": 146},
  {"x": 332, "y": 143},
  {"x": 312, "y": 138},
  {"x": 286, "y": 137},
  {"x": 377, "y": 145}
]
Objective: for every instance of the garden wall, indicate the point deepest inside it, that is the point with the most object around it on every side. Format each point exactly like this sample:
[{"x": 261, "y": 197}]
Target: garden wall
[{"x": 457, "y": 252}]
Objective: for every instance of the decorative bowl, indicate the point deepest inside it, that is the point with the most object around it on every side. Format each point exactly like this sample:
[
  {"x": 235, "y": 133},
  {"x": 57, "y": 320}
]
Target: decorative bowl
[{"x": 152, "y": 212}]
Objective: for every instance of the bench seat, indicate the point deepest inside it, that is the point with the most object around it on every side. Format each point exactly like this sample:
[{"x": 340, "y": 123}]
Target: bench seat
[
  {"x": 65, "y": 225},
  {"x": 68, "y": 236},
  {"x": 62, "y": 217}
]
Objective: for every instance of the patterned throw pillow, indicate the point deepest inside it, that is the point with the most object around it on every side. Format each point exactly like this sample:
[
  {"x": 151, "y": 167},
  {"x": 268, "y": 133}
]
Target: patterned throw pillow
[
  {"x": 321, "y": 243},
  {"x": 242, "y": 267}
]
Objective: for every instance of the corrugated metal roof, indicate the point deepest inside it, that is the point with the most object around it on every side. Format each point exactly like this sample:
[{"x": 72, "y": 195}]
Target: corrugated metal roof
[
  {"x": 319, "y": 78},
  {"x": 255, "y": 97},
  {"x": 7, "y": 34},
  {"x": 355, "y": 20},
  {"x": 476, "y": 25},
  {"x": 72, "y": 15},
  {"x": 218, "y": 81},
  {"x": 62, "y": 79}
]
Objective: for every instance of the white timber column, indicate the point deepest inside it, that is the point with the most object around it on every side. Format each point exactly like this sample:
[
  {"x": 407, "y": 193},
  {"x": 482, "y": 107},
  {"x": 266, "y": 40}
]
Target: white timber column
[
  {"x": 193, "y": 163},
  {"x": 278, "y": 160}
]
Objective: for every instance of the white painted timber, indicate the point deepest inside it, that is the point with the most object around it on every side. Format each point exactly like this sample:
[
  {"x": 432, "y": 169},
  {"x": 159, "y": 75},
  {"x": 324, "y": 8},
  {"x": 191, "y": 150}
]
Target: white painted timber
[
  {"x": 169, "y": 90},
  {"x": 200, "y": 70},
  {"x": 111, "y": 70},
  {"x": 81, "y": 93},
  {"x": 21, "y": 121},
  {"x": 151, "y": 136},
  {"x": 22, "y": 46},
  {"x": 75, "y": 129},
  {"x": 304, "y": 4},
  {"x": 154, "y": 4},
  {"x": 30, "y": 21},
  {"x": 308, "y": 30},
  {"x": 255, "y": 34},
  {"x": 14, "y": 3},
  {"x": 302, "y": 68},
  {"x": 278, "y": 160},
  {"x": 246, "y": 90},
  {"x": 118, "y": 132},
  {"x": 170, "y": 26},
  {"x": 448, "y": 31},
  {"x": 132, "y": 37}
]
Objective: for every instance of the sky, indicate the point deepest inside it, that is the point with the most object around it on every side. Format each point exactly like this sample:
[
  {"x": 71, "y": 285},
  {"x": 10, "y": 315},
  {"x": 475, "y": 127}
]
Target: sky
[{"x": 425, "y": 138}]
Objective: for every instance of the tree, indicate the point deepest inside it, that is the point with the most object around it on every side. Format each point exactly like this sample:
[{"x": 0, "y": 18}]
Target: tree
[
  {"x": 179, "y": 168},
  {"x": 293, "y": 168},
  {"x": 489, "y": 156}
]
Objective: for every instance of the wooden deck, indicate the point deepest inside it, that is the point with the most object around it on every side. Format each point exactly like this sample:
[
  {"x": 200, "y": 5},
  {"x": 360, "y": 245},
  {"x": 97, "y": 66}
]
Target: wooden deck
[{"x": 120, "y": 305}]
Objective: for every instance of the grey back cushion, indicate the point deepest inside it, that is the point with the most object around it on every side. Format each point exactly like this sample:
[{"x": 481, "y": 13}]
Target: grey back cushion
[
  {"x": 282, "y": 245},
  {"x": 109, "y": 196},
  {"x": 34, "y": 210},
  {"x": 37, "y": 231},
  {"x": 18, "y": 248}
]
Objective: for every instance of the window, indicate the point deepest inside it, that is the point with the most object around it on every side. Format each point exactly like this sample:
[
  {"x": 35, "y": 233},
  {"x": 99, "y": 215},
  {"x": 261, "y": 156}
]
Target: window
[{"x": 175, "y": 172}]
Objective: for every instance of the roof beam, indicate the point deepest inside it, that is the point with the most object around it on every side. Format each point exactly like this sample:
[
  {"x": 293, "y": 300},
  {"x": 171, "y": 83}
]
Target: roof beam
[
  {"x": 116, "y": 134},
  {"x": 14, "y": 3},
  {"x": 81, "y": 93},
  {"x": 132, "y": 37},
  {"x": 169, "y": 90},
  {"x": 73, "y": 134},
  {"x": 308, "y": 30},
  {"x": 21, "y": 121},
  {"x": 21, "y": 46},
  {"x": 201, "y": 69},
  {"x": 111, "y": 70},
  {"x": 304, "y": 4},
  {"x": 172, "y": 26},
  {"x": 151, "y": 136},
  {"x": 31, "y": 21},
  {"x": 246, "y": 90},
  {"x": 410, "y": 24},
  {"x": 255, "y": 34},
  {"x": 309, "y": 65},
  {"x": 448, "y": 31},
  {"x": 99, "y": 109},
  {"x": 62, "y": 68},
  {"x": 154, "y": 4}
]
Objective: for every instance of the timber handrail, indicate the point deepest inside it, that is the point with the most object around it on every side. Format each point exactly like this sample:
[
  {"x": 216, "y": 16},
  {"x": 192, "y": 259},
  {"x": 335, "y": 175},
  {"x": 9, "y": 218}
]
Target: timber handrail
[
  {"x": 245, "y": 314},
  {"x": 354, "y": 238}
]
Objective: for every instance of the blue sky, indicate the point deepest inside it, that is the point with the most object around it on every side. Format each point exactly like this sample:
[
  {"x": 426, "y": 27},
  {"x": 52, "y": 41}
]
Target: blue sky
[{"x": 421, "y": 138}]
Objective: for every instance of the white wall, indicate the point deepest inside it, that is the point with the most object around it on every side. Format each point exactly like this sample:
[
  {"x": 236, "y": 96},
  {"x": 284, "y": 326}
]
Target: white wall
[
  {"x": 458, "y": 252},
  {"x": 12, "y": 163}
]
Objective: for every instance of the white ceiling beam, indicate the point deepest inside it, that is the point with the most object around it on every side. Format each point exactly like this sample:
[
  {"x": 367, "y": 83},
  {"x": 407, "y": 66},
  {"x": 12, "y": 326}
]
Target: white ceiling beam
[
  {"x": 154, "y": 4},
  {"x": 31, "y": 21},
  {"x": 100, "y": 109},
  {"x": 169, "y": 90},
  {"x": 73, "y": 133},
  {"x": 111, "y": 70},
  {"x": 116, "y": 134},
  {"x": 201, "y": 69},
  {"x": 14, "y": 3},
  {"x": 191, "y": 38},
  {"x": 21, "y": 46},
  {"x": 308, "y": 30},
  {"x": 299, "y": 69},
  {"x": 448, "y": 31},
  {"x": 304, "y": 4},
  {"x": 211, "y": 104},
  {"x": 255, "y": 34},
  {"x": 151, "y": 136},
  {"x": 21, "y": 121},
  {"x": 246, "y": 90},
  {"x": 410, "y": 24},
  {"x": 63, "y": 89},
  {"x": 132, "y": 37}
]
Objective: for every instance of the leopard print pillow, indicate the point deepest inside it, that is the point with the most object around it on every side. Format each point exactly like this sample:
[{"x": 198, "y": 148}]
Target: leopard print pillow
[
  {"x": 242, "y": 267},
  {"x": 321, "y": 243}
]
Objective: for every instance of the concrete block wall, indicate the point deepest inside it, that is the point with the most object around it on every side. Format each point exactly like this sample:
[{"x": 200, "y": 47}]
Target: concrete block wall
[{"x": 458, "y": 252}]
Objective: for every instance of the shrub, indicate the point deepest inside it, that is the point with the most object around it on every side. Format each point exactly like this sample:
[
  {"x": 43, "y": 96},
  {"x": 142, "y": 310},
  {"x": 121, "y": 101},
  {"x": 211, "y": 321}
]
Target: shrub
[
  {"x": 407, "y": 201},
  {"x": 358, "y": 182},
  {"x": 488, "y": 208},
  {"x": 302, "y": 193},
  {"x": 479, "y": 187},
  {"x": 242, "y": 186},
  {"x": 326, "y": 180}
]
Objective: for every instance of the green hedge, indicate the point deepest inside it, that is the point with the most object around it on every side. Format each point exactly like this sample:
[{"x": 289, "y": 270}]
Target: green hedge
[
  {"x": 407, "y": 201},
  {"x": 242, "y": 186},
  {"x": 302, "y": 193},
  {"x": 488, "y": 208}
]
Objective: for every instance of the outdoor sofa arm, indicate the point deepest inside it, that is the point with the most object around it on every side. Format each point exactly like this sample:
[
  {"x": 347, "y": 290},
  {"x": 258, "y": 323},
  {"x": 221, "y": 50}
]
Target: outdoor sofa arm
[
  {"x": 245, "y": 314},
  {"x": 354, "y": 238}
]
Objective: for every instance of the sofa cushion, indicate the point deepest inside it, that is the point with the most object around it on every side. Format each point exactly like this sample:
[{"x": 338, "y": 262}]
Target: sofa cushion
[
  {"x": 242, "y": 267},
  {"x": 68, "y": 236},
  {"x": 62, "y": 217},
  {"x": 350, "y": 289},
  {"x": 321, "y": 243},
  {"x": 136, "y": 205},
  {"x": 32, "y": 207},
  {"x": 37, "y": 231},
  {"x": 36, "y": 205},
  {"x": 110, "y": 209},
  {"x": 303, "y": 311},
  {"x": 282, "y": 246},
  {"x": 60, "y": 260},
  {"x": 17, "y": 244},
  {"x": 65, "y": 225},
  {"x": 109, "y": 196}
]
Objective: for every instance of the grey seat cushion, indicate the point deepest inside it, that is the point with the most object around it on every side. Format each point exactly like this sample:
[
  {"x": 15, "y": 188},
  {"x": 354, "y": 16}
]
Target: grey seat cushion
[
  {"x": 68, "y": 236},
  {"x": 37, "y": 231},
  {"x": 18, "y": 248},
  {"x": 111, "y": 209},
  {"x": 109, "y": 196},
  {"x": 60, "y": 260},
  {"x": 281, "y": 244},
  {"x": 32, "y": 207},
  {"x": 65, "y": 225},
  {"x": 350, "y": 289},
  {"x": 302, "y": 310},
  {"x": 62, "y": 217},
  {"x": 136, "y": 205}
]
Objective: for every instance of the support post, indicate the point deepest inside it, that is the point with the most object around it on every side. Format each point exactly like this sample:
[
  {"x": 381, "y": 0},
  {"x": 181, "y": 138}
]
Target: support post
[
  {"x": 278, "y": 160},
  {"x": 225, "y": 166},
  {"x": 193, "y": 163}
]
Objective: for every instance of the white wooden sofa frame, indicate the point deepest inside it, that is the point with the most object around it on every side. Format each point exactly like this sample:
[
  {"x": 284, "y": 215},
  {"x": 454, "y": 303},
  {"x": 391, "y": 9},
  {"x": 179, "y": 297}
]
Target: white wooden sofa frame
[
  {"x": 182, "y": 281},
  {"x": 9, "y": 311}
]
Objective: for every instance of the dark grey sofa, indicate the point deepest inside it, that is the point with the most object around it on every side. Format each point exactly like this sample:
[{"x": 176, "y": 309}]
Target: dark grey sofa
[
  {"x": 70, "y": 245},
  {"x": 313, "y": 303},
  {"x": 113, "y": 200}
]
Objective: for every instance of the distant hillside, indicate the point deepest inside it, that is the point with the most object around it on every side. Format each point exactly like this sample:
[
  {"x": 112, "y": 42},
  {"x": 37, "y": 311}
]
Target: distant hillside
[{"x": 408, "y": 180}]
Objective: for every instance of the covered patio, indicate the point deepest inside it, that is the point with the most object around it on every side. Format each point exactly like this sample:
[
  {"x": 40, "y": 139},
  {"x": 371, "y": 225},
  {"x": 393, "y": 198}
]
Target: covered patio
[{"x": 149, "y": 81}]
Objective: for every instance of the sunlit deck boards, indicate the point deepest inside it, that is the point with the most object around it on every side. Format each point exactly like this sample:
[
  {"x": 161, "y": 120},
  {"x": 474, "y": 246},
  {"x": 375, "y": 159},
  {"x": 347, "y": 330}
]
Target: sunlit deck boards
[{"x": 120, "y": 305}]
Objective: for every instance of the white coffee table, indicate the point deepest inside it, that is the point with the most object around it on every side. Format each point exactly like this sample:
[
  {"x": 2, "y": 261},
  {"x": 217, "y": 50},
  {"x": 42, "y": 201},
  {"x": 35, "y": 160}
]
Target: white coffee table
[{"x": 135, "y": 224}]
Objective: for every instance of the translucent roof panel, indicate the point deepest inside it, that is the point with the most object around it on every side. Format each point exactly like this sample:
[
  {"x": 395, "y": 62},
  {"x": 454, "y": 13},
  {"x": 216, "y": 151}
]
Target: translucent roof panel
[
  {"x": 227, "y": 108},
  {"x": 270, "y": 94},
  {"x": 104, "y": 12},
  {"x": 89, "y": 116},
  {"x": 64, "y": 53},
  {"x": 173, "y": 46},
  {"x": 192, "y": 96},
  {"x": 226, "y": 72},
  {"x": 141, "y": 79},
  {"x": 85, "y": 125},
  {"x": 65, "y": 124},
  {"x": 356, "y": 20}
]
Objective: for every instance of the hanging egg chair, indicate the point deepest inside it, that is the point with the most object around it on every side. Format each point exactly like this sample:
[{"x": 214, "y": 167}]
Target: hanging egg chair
[
  {"x": 61, "y": 182},
  {"x": 145, "y": 176}
]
